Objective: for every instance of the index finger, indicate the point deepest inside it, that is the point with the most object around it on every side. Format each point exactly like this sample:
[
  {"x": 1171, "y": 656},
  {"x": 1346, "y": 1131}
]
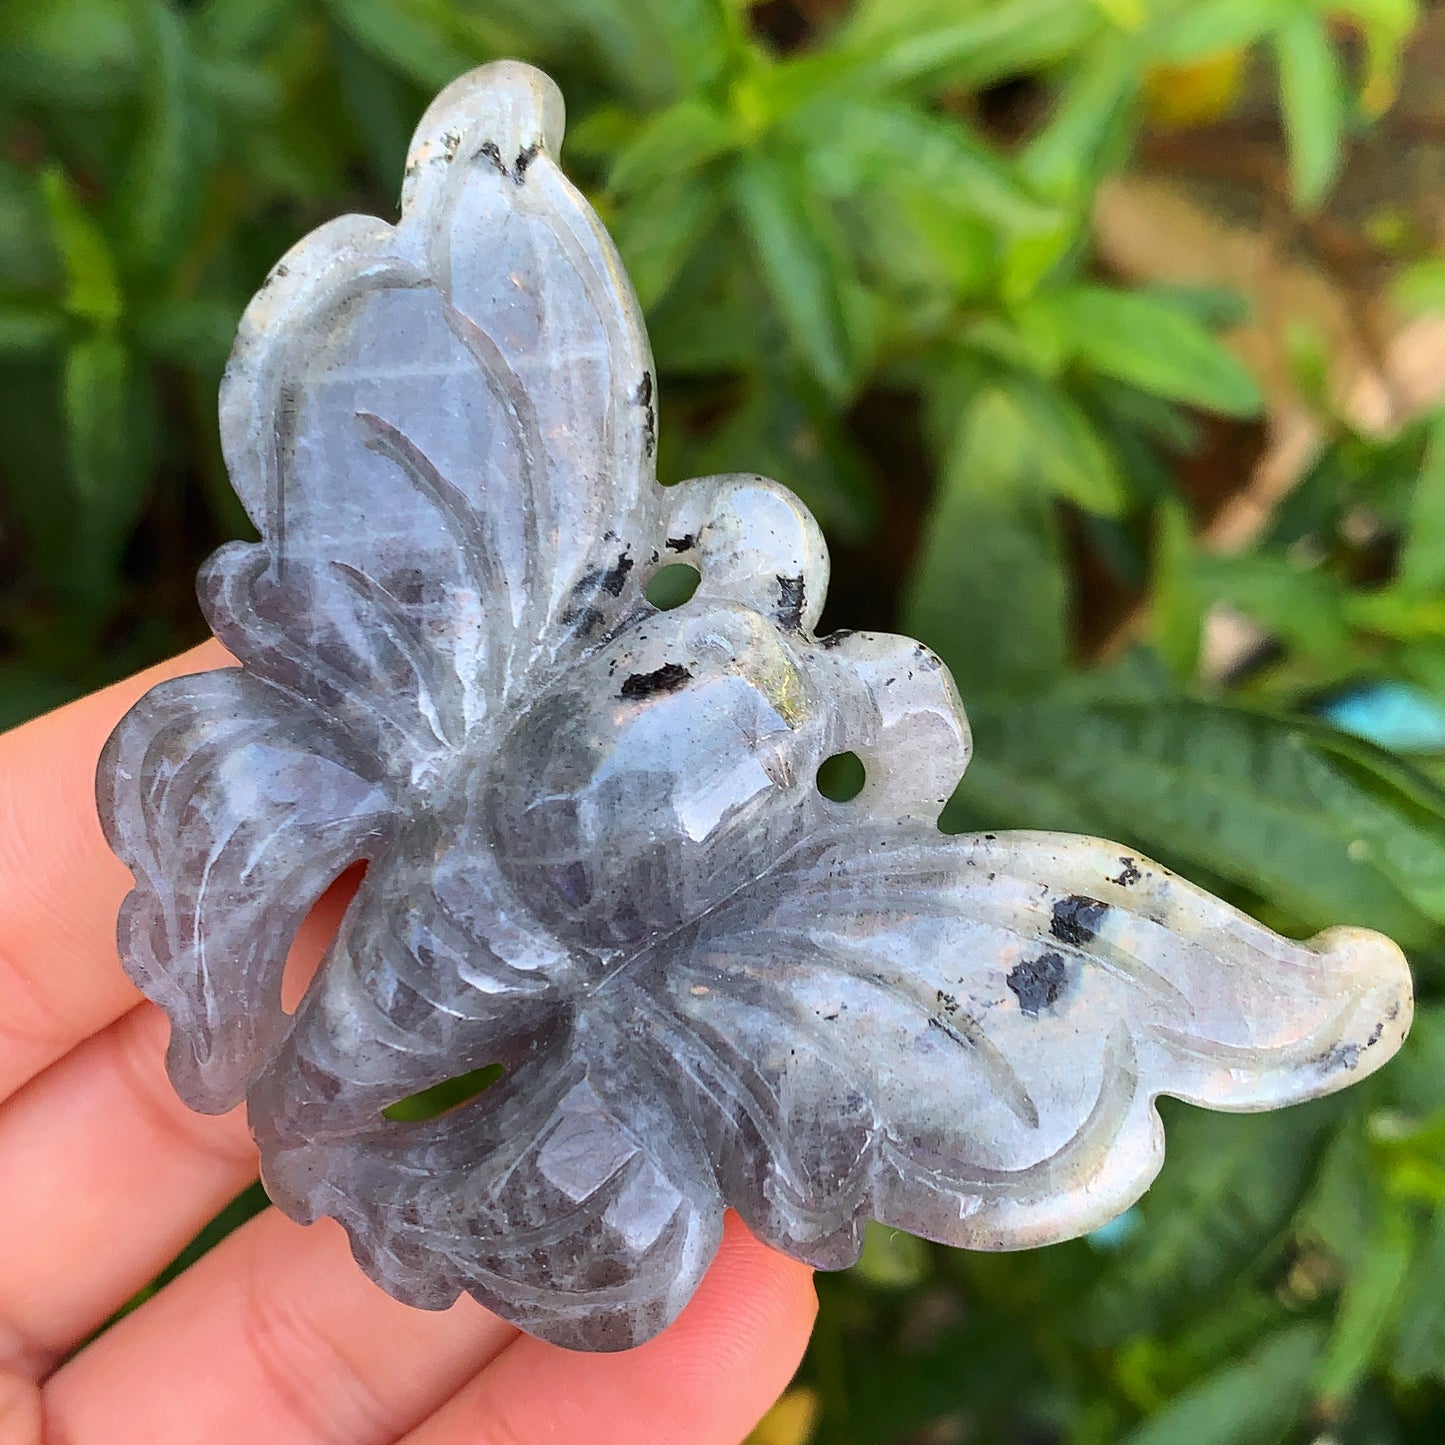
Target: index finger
[{"x": 60, "y": 885}]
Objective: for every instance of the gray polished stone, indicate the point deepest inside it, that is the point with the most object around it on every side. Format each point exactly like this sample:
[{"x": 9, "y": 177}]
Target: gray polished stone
[{"x": 597, "y": 854}]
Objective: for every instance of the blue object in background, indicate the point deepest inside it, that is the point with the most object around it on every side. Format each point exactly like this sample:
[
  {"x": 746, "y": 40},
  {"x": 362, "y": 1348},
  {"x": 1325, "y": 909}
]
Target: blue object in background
[
  {"x": 1108, "y": 1237},
  {"x": 1392, "y": 714}
]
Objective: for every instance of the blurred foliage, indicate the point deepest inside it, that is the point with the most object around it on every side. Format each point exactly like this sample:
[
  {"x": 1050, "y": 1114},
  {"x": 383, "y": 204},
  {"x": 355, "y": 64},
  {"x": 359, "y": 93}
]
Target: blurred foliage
[{"x": 862, "y": 236}]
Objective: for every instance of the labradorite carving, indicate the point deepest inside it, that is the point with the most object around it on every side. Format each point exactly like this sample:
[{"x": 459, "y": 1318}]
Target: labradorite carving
[{"x": 596, "y": 851}]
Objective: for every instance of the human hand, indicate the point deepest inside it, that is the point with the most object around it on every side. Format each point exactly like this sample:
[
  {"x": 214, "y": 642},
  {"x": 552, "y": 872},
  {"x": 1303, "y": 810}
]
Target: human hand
[{"x": 275, "y": 1336}]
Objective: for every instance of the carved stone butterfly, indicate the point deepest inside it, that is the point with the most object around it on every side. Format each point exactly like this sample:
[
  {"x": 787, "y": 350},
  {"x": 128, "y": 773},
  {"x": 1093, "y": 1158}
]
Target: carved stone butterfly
[{"x": 597, "y": 853}]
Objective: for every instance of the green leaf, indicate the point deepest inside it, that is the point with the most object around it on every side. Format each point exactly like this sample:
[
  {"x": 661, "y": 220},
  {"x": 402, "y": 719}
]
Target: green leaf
[
  {"x": 801, "y": 262},
  {"x": 243, "y": 94},
  {"x": 27, "y": 331},
  {"x": 195, "y": 334},
  {"x": 1073, "y": 459},
  {"x": 891, "y": 1259},
  {"x": 1420, "y": 288},
  {"x": 1325, "y": 827},
  {"x": 1346, "y": 1197},
  {"x": 96, "y": 373},
  {"x": 246, "y": 1205},
  {"x": 1387, "y": 26},
  {"x": 1203, "y": 28},
  {"x": 988, "y": 591},
  {"x": 650, "y": 52},
  {"x": 381, "y": 105},
  {"x": 1303, "y": 606},
  {"x": 1367, "y": 1307},
  {"x": 161, "y": 197},
  {"x": 1178, "y": 604},
  {"x": 893, "y": 42},
  {"x": 445, "y": 1096},
  {"x": 1144, "y": 340},
  {"x": 1020, "y": 433},
  {"x": 1026, "y": 338},
  {"x": 655, "y": 51},
  {"x": 110, "y": 442},
  {"x": 928, "y": 258},
  {"x": 1226, "y": 1193},
  {"x": 92, "y": 288},
  {"x": 1126, "y": 15},
  {"x": 237, "y": 29},
  {"x": 672, "y": 145},
  {"x": 1416, "y": 1077},
  {"x": 417, "y": 37},
  {"x": 1033, "y": 259},
  {"x": 81, "y": 53},
  {"x": 855, "y": 142},
  {"x": 787, "y": 428},
  {"x": 1312, "y": 94},
  {"x": 29, "y": 262},
  {"x": 1418, "y": 1344},
  {"x": 714, "y": 319},
  {"x": 1089, "y": 132},
  {"x": 689, "y": 43},
  {"x": 1422, "y": 559},
  {"x": 1216, "y": 308},
  {"x": 1396, "y": 812},
  {"x": 600, "y": 135},
  {"x": 36, "y": 501},
  {"x": 658, "y": 231},
  {"x": 1252, "y": 1402},
  {"x": 1399, "y": 613}
]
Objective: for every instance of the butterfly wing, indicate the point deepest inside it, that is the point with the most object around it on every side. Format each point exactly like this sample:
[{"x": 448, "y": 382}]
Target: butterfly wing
[
  {"x": 569, "y": 1197},
  {"x": 444, "y": 431},
  {"x": 235, "y": 806},
  {"x": 965, "y": 1037}
]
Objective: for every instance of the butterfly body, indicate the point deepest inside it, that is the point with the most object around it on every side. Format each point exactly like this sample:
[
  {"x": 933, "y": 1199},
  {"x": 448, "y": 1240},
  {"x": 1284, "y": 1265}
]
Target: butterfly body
[{"x": 625, "y": 796}]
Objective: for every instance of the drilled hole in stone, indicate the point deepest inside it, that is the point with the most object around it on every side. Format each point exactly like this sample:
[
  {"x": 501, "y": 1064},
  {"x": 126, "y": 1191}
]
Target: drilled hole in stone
[
  {"x": 314, "y": 936},
  {"x": 442, "y": 1097},
  {"x": 673, "y": 585},
  {"x": 841, "y": 777}
]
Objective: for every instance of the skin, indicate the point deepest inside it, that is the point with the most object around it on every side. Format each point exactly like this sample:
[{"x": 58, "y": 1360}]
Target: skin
[{"x": 275, "y": 1335}]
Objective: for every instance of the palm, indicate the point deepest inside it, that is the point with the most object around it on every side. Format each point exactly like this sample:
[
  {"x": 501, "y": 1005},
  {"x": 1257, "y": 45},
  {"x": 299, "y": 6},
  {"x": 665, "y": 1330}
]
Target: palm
[{"x": 275, "y": 1335}]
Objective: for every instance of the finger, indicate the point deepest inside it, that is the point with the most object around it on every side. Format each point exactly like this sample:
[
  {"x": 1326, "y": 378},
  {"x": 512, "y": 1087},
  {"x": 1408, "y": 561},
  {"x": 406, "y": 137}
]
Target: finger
[
  {"x": 19, "y": 1411},
  {"x": 276, "y": 1335},
  {"x": 60, "y": 885},
  {"x": 115, "y": 1174},
  {"x": 706, "y": 1380}
]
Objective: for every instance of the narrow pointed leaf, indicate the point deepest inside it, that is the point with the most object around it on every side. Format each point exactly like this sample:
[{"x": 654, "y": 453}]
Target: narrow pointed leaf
[
  {"x": 800, "y": 262},
  {"x": 1419, "y": 1325},
  {"x": 1422, "y": 561},
  {"x": 164, "y": 189},
  {"x": 1312, "y": 94},
  {"x": 1228, "y": 1189},
  {"x": 1252, "y": 1402},
  {"x": 92, "y": 287},
  {"x": 1143, "y": 340},
  {"x": 417, "y": 37},
  {"x": 892, "y": 46},
  {"x": 1367, "y": 1306},
  {"x": 988, "y": 593}
]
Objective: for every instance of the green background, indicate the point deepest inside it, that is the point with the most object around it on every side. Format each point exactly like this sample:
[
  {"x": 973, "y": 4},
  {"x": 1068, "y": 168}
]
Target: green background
[{"x": 862, "y": 234}]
